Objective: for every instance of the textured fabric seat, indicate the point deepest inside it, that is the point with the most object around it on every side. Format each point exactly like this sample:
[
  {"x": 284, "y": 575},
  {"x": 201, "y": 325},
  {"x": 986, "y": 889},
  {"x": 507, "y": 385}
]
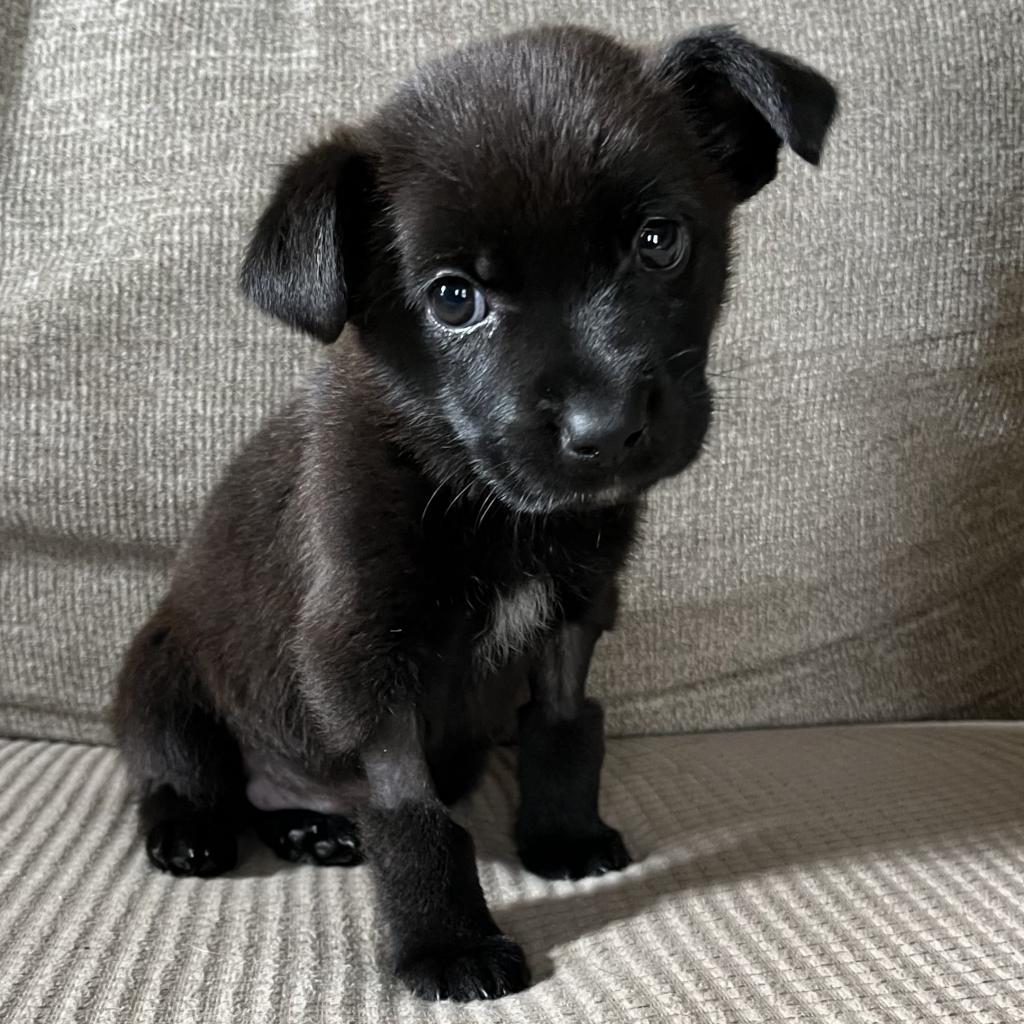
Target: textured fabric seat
[{"x": 843, "y": 875}]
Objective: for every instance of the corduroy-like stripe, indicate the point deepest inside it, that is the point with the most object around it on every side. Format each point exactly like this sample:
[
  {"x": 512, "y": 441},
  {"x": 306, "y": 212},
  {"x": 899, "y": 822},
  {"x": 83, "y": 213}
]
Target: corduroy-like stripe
[{"x": 823, "y": 876}]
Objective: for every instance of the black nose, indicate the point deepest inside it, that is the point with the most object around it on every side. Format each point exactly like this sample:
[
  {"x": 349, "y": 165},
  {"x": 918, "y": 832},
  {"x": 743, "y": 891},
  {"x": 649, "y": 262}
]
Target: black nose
[{"x": 600, "y": 432}]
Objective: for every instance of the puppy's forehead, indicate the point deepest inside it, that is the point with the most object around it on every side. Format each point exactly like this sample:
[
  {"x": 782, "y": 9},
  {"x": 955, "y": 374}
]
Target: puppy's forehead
[{"x": 511, "y": 145}]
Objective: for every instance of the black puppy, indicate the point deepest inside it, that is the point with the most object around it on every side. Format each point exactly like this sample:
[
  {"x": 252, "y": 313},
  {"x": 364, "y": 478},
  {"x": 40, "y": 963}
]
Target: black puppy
[{"x": 529, "y": 243}]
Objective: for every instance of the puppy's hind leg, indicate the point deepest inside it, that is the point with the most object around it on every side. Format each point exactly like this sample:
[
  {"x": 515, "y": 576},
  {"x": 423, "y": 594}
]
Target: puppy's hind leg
[
  {"x": 309, "y": 837},
  {"x": 183, "y": 760}
]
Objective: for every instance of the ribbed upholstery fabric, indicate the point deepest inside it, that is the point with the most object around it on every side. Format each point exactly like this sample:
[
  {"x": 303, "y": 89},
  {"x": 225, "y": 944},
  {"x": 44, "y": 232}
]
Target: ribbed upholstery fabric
[
  {"x": 851, "y": 548},
  {"x": 824, "y": 876}
]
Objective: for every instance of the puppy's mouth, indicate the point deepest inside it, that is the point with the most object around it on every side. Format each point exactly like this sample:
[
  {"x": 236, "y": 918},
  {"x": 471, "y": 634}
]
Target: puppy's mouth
[
  {"x": 543, "y": 500},
  {"x": 523, "y": 490}
]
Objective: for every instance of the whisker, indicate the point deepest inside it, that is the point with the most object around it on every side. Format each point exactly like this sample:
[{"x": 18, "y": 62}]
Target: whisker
[
  {"x": 437, "y": 491},
  {"x": 451, "y": 504},
  {"x": 682, "y": 352},
  {"x": 729, "y": 378},
  {"x": 485, "y": 507}
]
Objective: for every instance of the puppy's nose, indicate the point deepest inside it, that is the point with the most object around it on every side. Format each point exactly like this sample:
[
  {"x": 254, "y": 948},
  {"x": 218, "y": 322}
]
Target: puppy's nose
[{"x": 601, "y": 433}]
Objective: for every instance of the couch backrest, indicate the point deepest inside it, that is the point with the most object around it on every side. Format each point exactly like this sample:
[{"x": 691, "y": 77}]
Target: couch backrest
[{"x": 851, "y": 548}]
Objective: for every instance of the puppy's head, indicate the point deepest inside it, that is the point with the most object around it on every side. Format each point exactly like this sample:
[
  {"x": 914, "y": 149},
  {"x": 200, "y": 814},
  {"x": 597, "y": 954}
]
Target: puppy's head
[{"x": 531, "y": 239}]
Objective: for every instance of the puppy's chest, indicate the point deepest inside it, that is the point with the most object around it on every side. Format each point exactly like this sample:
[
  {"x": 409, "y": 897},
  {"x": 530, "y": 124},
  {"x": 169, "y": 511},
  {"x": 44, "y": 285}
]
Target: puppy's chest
[
  {"x": 516, "y": 590},
  {"x": 516, "y": 619}
]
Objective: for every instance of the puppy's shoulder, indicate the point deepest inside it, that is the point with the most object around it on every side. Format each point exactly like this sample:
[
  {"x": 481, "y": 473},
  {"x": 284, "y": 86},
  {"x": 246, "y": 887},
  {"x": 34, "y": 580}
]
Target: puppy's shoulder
[{"x": 359, "y": 496}]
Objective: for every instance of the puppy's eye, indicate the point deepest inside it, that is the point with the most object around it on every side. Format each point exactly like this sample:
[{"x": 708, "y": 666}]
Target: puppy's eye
[
  {"x": 662, "y": 244},
  {"x": 456, "y": 302}
]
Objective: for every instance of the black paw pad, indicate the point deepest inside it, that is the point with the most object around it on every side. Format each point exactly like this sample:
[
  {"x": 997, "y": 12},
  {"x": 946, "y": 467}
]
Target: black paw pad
[
  {"x": 574, "y": 856},
  {"x": 305, "y": 837},
  {"x": 199, "y": 846},
  {"x": 487, "y": 969}
]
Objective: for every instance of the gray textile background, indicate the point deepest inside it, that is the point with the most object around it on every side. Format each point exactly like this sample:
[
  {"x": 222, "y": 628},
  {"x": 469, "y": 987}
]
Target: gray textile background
[{"x": 852, "y": 549}]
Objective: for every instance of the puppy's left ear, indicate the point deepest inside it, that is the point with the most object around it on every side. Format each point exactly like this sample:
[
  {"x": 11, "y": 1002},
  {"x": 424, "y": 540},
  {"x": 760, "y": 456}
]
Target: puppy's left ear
[
  {"x": 744, "y": 101},
  {"x": 302, "y": 251}
]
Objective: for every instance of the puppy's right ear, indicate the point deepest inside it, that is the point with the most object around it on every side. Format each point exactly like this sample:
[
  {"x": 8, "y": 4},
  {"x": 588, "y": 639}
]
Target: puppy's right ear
[{"x": 294, "y": 267}]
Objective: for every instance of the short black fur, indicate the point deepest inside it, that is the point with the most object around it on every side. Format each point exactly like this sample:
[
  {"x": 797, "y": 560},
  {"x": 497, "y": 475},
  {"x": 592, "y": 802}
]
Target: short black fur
[{"x": 428, "y": 536}]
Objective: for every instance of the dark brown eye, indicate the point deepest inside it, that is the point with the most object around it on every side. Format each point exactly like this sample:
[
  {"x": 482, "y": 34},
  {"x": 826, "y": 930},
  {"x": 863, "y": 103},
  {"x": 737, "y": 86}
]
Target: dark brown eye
[
  {"x": 662, "y": 244},
  {"x": 456, "y": 302}
]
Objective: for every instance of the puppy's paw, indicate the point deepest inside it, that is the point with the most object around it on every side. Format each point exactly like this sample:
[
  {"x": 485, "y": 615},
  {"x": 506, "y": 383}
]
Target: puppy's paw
[
  {"x": 574, "y": 856},
  {"x": 198, "y": 845},
  {"x": 488, "y": 969},
  {"x": 309, "y": 838}
]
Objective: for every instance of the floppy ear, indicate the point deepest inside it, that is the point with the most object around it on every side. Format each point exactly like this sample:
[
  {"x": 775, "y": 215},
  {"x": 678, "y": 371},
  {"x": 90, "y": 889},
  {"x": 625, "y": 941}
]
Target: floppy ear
[
  {"x": 745, "y": 101},
  {"x": 294, "y": 267}
]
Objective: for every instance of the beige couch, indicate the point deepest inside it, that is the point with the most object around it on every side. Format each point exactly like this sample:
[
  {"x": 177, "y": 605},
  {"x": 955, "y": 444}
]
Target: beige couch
[{"x": 852, "y": 551}]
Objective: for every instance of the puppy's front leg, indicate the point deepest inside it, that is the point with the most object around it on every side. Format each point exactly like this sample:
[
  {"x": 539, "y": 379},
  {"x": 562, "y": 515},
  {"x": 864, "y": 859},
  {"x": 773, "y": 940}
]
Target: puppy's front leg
[
  {"x": 561, "y": 747},
  {"x": 442, "y": 941}
]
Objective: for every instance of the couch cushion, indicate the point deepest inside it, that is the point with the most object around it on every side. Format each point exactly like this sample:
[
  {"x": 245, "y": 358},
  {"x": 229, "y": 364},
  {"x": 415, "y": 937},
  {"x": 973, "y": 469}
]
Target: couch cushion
[
  {"x": 851, "y": 548},
  {"x": 838, "y": 876}
]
